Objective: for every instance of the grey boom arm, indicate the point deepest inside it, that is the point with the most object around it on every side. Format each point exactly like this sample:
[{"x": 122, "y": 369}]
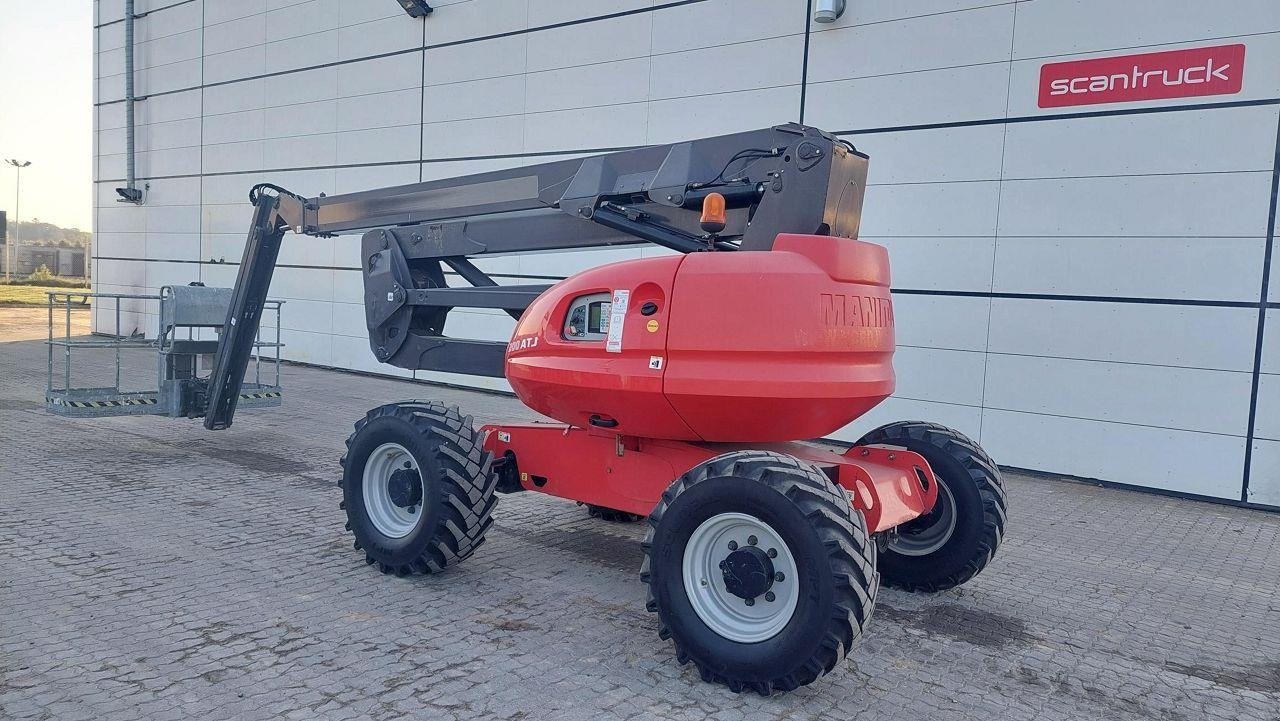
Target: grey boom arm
[{"x": 785, "y": 179}]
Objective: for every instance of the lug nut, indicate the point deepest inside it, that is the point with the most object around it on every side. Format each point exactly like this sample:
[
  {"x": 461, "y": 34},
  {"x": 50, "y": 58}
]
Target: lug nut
[
  {"x": 703, "y": 583},
  {"x": 722, "y": 565},
  {"x": 779, "y": 577},
  {"x": 408, "y": 465},
  {"x": 773, "y": 553},
  {"x": 751, "y": 540},
  {"x": 768, "y": 596},
  {"x": 733, "y": 545},
  {"x": 751, "y": 602}
]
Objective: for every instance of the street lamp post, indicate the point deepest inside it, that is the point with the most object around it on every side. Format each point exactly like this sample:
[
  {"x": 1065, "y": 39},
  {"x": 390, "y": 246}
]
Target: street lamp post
[{"x": 17, "y": 198}]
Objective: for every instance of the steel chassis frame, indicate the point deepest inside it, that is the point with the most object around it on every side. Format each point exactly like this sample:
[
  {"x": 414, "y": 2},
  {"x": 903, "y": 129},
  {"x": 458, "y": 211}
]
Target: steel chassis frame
[{"x": 889, "y": 485}]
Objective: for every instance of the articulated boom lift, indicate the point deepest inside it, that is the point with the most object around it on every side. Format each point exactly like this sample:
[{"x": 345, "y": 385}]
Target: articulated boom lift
[{"x": 683, "y": 383}]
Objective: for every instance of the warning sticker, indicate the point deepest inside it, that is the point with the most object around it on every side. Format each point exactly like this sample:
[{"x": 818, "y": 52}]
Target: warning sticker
[{"x": 617, "y": 314}]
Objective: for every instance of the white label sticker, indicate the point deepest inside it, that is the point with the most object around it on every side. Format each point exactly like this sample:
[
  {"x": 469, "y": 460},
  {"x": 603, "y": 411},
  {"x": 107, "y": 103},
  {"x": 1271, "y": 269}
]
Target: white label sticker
[
  {"x": 655, "y": 362},
  {"x": 613, "y": 341}
]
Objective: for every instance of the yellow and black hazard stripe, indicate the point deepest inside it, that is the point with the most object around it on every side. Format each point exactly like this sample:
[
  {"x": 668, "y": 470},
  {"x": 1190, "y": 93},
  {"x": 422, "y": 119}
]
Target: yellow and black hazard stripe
[
  {"x": 127, "y": 402},
  {"x": 106, "y": 404}
]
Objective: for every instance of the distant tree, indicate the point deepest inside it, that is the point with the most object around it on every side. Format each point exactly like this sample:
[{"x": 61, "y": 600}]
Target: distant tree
[{"x": 35, "y": 232}]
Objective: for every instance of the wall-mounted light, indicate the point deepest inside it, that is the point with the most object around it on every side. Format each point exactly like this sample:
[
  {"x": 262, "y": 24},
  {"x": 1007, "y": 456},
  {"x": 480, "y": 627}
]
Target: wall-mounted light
[
  {"x": 415, "y": 8},
  {"x": 129, "y": 195},
  {"x": 827, "y": 11}
]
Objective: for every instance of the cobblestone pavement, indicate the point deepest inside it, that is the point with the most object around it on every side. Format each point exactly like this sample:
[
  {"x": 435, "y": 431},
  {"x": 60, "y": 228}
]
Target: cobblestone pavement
[
  {"x": 28, "y": 323},
  {"x": 150, "y": 569}
]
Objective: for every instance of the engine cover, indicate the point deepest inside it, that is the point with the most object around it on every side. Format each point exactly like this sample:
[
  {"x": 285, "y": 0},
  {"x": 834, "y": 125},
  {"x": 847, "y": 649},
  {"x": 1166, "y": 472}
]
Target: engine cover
[{"x": 745, "y": 346}]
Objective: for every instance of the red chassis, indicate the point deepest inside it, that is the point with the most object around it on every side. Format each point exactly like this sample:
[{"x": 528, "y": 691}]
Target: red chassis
[{"x": 889, "y": 485}]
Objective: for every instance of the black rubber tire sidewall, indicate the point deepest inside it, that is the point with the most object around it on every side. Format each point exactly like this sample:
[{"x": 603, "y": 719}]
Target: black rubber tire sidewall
[
  {"x": 402, "y": 551},
  {"x": 794, "y": 644},
  {"x": 966, "y": 539}
]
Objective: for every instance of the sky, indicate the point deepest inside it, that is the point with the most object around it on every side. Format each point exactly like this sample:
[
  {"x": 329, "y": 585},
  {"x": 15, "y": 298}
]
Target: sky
[{"x": 46, "y": 109}]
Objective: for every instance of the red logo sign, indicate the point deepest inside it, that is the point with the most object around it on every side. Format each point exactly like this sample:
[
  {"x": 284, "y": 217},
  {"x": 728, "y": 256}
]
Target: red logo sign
[{"x": 1188, "y": 73}]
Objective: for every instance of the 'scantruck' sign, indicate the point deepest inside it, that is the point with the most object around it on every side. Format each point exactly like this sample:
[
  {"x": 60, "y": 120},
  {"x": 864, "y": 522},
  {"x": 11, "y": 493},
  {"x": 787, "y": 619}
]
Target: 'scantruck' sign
[{"x": 1217, "y": 70}]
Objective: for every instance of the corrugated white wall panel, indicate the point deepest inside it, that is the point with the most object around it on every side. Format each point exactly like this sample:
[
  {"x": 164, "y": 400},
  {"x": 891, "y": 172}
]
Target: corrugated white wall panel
[
  {"x": 1084, "y": 26},
  {"x": 1159, "y": 335},
  {"x": 944, "y": 95},
  {"x": 1162, "y": 458},
  {"x": 1190, "y": 399},
  {"x": 1264, "y": 487},
  {"x": 1195, "y": 268},
  {"x": 934, "y": 321},
  {"x": 966, "y": 419},
  {"x": 930, "y": 209},
  {"x": 1195, "y": 205},
  {"x": 933, "y": 156}
]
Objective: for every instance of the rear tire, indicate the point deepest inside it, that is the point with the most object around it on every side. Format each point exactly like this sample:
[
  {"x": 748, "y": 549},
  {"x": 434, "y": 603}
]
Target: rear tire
[
  {"x": 959, "y": 537},
  {"x": 417, "y": 487},
  {"x": 749, "y": 506}
]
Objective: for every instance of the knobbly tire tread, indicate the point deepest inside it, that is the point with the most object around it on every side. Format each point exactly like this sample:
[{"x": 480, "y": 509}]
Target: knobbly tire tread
[
  {"x": 844, "y": 538},
  {"x": 931, "y": 438},
  {"x": 463, "y": 477}
]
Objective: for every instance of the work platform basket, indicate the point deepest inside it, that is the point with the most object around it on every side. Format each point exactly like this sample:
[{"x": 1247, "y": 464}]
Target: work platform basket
[{"x": 185, "y": 342}]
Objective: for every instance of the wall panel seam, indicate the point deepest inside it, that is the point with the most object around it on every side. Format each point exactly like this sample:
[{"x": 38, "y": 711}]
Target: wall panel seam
[
  {"x": 995, "y": 240},
  {"x": 886, "y": 21},
  {"x": 1114, "y": 422},
  {"x": 993, "y": 121},
  {"x": 1263, "y": 305},
  {"x": 144, "y": 13},
  {"x": 804, "y": 62},
  {"x": 437, "y": 46}
]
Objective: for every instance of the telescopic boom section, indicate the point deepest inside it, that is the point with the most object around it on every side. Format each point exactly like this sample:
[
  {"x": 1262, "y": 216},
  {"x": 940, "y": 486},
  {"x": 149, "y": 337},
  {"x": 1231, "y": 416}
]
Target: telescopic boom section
[{"x": 786, "y": 179}]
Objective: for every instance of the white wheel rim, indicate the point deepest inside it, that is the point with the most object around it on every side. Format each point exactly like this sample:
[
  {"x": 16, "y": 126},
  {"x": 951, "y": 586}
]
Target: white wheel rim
[
  {"x": 390, "y": 520},
  {"x": 923, "y": 541},
  {"x": 724, "y": 613}
]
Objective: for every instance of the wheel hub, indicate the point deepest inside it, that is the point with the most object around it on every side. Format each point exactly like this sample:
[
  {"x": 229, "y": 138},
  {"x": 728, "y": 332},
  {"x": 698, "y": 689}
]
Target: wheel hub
[
  {"x": 392, "y": 489},
  {"x": 929, "y": 532},
  {"x": 748, "y": 572},
  {"x": 405, "y": 488},
  {"x": 740, "y": 577}
]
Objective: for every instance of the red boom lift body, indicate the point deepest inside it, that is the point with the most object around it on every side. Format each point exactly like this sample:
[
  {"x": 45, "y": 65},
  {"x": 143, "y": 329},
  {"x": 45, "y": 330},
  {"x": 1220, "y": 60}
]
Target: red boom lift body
[{"x": 684, "y": 387}]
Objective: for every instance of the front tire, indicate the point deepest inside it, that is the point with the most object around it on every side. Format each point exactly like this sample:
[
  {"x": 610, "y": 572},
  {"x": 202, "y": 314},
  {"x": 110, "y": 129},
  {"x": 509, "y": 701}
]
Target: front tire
[
  {"x": 417, "y": 487},
  {"x": 760, "y": 570},
  {"x": 957, "y": 539}
]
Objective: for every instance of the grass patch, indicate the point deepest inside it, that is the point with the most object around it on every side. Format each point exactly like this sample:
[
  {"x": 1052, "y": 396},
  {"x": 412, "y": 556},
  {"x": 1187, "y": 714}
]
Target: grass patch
[
  {"x": 52, "y": 283},
  {"x": 14, "y": 294}
]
